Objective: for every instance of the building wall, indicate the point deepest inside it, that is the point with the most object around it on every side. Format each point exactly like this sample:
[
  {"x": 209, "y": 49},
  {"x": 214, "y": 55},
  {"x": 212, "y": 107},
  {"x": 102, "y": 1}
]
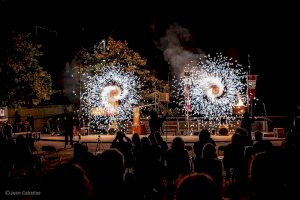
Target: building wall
[{"x": 40, "y": 114}]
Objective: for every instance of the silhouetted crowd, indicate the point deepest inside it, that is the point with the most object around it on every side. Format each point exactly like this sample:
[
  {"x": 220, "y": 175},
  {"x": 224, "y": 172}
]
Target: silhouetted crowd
[{"x": 146, "y": 168}]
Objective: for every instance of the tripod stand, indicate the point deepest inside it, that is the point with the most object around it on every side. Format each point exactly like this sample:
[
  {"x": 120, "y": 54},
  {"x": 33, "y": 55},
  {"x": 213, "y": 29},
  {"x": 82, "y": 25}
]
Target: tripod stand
[{"x": 98, "y": 146}]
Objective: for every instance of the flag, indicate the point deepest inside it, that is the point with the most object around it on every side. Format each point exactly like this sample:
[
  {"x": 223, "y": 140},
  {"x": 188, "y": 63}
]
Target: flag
[{"x": 251, "y": 82}]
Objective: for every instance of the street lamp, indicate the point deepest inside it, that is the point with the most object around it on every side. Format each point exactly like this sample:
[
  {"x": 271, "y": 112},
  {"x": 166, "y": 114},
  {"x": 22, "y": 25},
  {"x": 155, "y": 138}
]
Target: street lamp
[{"x": 265, "y": 124}]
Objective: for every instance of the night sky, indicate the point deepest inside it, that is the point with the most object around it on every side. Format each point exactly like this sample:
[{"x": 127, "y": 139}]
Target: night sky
[{"x": 266, "y": 33}]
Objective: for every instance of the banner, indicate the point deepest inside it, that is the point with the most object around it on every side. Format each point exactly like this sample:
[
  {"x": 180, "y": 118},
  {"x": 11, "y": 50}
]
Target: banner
[
  {"x": 187, "y": 98},
  {"x": 251, "y": 82}
]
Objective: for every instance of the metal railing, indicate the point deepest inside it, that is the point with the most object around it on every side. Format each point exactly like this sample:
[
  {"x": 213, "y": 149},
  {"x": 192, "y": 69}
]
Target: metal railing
[{"x": 178, "y": 125}]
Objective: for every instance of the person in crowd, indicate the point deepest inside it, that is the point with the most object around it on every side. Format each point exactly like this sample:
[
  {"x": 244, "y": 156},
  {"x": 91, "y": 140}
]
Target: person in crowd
[
  {"x": 124, "y": 145},
  {"x": 246, "y": 124},
  {"x": 7, "y": 130},
  {"x": 260, "y": 144},
  {"x": 197, "y": 186},
  {"x": 17, "y": 121},
  {"x": 23, "y": 153},
  {"x": 137, "y": 146},
  {"x": 211, "y": 165},
  {"x": 68, "y": 124},
  {"x": 110, "y": 182},
  {"x": 178, "y": 160},
  {"x": 234, "y": 157},
  {"x": 155, "y": 122},
  {"x": 265, "y": 174},
  {"x": 163, "y": 145},
  {"x": 70, "y": 181},
  {"x": 204, "y": 138},
  {"x": 30, "y": 120}
]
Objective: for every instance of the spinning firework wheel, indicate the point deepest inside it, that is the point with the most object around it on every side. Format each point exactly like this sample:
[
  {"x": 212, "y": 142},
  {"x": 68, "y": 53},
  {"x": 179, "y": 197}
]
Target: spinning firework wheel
[
  {"x": 109, "y": 96},
  {"x": 216, "y": 84}
]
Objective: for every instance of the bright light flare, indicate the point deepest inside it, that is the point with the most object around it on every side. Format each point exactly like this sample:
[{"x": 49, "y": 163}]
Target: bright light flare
[
  {"x": 216, "y": 84},
  {"x": 109, "y": 95}
]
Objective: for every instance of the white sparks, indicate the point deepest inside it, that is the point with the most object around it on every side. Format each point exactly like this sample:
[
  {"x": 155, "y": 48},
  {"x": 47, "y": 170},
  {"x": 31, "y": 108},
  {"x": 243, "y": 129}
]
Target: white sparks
[
  {"x": 216, "y": 83},
  {"x": 110, "y": 96}
]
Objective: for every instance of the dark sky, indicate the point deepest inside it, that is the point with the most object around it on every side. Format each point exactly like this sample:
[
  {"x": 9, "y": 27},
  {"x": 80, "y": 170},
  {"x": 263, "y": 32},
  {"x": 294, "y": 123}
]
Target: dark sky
[{"x": 266, "y": 32}]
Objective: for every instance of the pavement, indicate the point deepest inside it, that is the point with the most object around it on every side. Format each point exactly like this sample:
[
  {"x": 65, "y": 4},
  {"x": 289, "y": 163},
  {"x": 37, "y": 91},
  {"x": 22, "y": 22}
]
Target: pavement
[{"x": 98, "y": 143}]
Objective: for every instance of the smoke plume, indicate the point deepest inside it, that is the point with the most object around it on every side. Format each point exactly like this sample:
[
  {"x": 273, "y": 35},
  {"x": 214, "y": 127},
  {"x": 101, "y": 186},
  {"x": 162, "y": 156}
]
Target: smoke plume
[{"x": 175, "y": 54}]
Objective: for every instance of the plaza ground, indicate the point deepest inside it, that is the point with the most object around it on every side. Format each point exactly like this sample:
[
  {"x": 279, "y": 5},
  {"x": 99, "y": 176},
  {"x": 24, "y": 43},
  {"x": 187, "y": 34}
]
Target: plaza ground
[{"x": 99, "y": 143}]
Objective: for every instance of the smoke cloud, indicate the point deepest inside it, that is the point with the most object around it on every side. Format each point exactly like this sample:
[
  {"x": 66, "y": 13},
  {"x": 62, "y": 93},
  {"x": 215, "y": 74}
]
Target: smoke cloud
[
  {"x": 71, "y": 81},
  {"x": 174, "y": 53}
]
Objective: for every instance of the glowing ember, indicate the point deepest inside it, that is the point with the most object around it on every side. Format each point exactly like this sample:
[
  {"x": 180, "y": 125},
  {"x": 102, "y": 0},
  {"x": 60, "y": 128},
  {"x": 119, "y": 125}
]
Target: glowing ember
[
  {"x": 215, "y": 89},
  {"x": 240, "y": 102},
  {"x": 239, "y": 108},
  {"x": 110, "y": 96}
]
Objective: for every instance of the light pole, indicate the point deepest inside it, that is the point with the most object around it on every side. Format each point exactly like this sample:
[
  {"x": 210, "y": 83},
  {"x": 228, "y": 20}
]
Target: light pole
[
  {"x": 187, "y": 86},
  {"x": 266, "y": 117},
  {"x": 168, "y": 102},
  {"x": 168, "y": 91},
  {"x": 248, "y": 73}
]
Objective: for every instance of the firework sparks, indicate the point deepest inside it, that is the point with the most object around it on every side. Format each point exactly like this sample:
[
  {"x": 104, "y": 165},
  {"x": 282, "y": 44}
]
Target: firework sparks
[
  {"x": 110, "y": 95},
  {"x": 216, "y": 83}
]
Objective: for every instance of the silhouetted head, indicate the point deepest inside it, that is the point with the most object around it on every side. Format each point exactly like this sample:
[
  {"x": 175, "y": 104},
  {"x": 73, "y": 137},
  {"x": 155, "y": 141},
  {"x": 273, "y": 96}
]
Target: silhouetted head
[
  {"x": 21, "y": 140},
  {"x": 120, "y": 135},
  {"x": 177, "y": 143},
  {"x": 112, "y": 165},
  {"x": 157, "y": 136},
  {"x": 204, "y": 135},
  {"x": 209, "y": 151},
  {"x": 69, "y": 181},
  {"x": 258, "y": 135},
  {"x": 152, "y": 138},
  {"x": 136, "y": 138},
  {"x": 197, "y": 186},
  {"x": 241, "y": 131},
  {"x": 236, "y": 138},
  {"x": 145, "y": 142}
]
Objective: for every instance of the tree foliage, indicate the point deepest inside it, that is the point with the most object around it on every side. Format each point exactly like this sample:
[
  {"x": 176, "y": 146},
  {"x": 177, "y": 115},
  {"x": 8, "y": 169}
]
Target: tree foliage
[
  {"x": 110, "y": 52},
  {"x": 115, "y": 52},
  {"x": 26, "y": 76}
]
